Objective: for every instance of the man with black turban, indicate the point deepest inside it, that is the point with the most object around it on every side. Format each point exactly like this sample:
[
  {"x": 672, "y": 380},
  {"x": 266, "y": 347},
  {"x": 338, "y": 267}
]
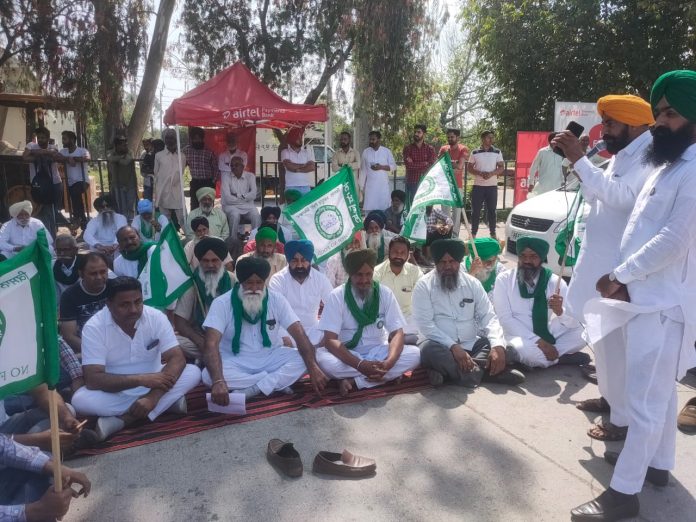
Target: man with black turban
[
  {"x": 271, "y": 215},
  {"x": 377, "y": 237},
  {"x": 303, "y": 286},
  {"x": 655, "y": 274},
  {"x": 394, "y": 215},
  {"x": 211, "y": 280},
  {"x": 100, "y": 233},
  {"x": 243, "y": 339},
  {"x": 450, "y": 307},
  {"x": 363, "y": 330},
  {"x": 538, "y": 330}
]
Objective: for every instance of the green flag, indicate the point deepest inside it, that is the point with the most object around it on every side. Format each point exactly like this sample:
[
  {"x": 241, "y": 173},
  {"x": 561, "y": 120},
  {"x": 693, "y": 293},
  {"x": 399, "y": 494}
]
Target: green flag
[
  {"x": 28, "y": 323},
  {"x": 568, "y": 240},
  {"x": 437, "y": 187},
  {"x": 329, "y": 215},
  {"x": 167, "y": 274}
]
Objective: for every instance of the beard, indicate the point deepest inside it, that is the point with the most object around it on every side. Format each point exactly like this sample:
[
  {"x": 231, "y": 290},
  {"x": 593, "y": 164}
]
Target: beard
[
  {"x": 448, "y": 281},
  {"x": 483, "y": 274},
  {"x": 527, "y": 274},
  {"x": 617, "y": 143},
  {"x": 299, "y": 274},
  {"x": 363, "y": 294},
  {"x": 252, "y": 302},
  {"x": 212, "y": 279},
  {"x": 22, "y": 222},
  {"x": 374, "y": 241},
  {"x": 107, "y": 218},
  {"x": 397, "y": 261},
  {"x": 206, "y": 209},
  {"x": 667, "y": 146}
]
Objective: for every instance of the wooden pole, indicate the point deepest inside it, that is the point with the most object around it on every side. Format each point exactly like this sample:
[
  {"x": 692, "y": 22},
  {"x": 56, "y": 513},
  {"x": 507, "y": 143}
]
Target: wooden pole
[
  {"x": 468, "y": 233},
  {"x": 55, "y": 441}
]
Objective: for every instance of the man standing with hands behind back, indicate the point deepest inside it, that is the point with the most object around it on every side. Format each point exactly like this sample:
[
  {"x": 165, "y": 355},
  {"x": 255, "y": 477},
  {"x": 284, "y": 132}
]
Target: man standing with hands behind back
[{"x": 486, "y": 165}]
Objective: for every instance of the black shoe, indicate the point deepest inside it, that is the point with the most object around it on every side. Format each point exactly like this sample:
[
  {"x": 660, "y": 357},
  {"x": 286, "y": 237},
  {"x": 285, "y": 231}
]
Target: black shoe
[
  {"x": 575, "y": 359},
  {"x": 607, "y": 507},
  {"x": 657, "y": 477},
  {"x": 507, "y": 376}
]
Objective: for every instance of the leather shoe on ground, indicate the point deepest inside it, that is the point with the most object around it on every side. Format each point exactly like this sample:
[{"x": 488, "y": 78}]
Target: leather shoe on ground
[
  {"x": 507, "y": 376},
  {"x": 607, "y": 507},
  {"x": 575, "y": 359},
  {"x": 657, "y": 477},
  {"x": 589, "y": 372},
  {"x": 284, "y": 457},
  {"x": 599, "y": 405},
  {"x": 687, "y": 417},
  {"x": 435, "y": 377},
  {"x": 344, "y": 465}
]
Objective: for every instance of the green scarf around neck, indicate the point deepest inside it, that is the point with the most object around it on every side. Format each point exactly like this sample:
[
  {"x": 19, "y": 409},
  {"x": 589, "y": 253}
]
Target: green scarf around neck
[
  {"x": 239, "y": 314},
  {"x": 489, "y": 282},
  {"x": 540, "y": 308},
  {"x": 147, "y": 231},
  {"x": 203, "y": 305},
  {"x": 139, "y": 255},
  {"x": 364, "y": 316}
]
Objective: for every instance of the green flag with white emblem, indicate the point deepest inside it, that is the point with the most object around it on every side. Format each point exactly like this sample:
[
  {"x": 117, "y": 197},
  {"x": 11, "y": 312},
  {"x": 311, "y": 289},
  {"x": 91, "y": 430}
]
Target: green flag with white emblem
[
  {"x": 167, "y": 274},
  {"x": 329, "y": 215},
  {"x": 28, "y": 323}
]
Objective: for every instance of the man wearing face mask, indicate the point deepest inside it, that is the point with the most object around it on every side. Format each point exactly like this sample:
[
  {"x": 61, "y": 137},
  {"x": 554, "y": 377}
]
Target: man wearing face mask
[
  {"x": 21, "y": 230},
  {"x": 202, "y": 164},
  {"x": 65, "y": 270},
  {"x": 100, "y": 233}
]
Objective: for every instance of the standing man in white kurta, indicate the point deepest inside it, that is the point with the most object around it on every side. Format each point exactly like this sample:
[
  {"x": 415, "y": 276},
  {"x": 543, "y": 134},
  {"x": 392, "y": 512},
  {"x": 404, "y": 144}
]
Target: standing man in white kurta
[
  {"x": 377, "y": 163},
  {"x": 363, "y": 330},
  {"x": 243, "y": 345},
  {"x": 546, "y": 172},
  {"x": 133, "y": 366},
  {"x": 611, "y": 195},
  {"x": 656, "y": 276},
  {"x": 169, "y": 193},
  {"x": 538, "y": 331},
  {"x": 304, "y": 287},
  {"x": 237, "y": 195}
]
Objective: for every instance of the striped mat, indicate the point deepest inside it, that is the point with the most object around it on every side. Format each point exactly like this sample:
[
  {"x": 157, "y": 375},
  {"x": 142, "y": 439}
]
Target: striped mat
[{"x": 169, "y": 426}]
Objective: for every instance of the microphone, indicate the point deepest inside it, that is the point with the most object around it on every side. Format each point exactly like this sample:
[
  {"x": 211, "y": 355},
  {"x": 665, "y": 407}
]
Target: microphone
[{"x": 599, "y": 147}]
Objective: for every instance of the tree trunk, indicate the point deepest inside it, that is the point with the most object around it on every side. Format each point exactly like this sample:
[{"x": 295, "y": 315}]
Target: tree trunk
[{"x": 153, "y": 66}]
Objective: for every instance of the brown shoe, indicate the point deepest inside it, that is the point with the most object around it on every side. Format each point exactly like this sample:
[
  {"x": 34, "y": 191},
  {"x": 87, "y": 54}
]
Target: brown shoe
[
  {"x": 343, "y": 464},
  {"x": 594, "y": 405},
  {"x": 284, "y": 457},
  {"x": 687, "y": 417}
]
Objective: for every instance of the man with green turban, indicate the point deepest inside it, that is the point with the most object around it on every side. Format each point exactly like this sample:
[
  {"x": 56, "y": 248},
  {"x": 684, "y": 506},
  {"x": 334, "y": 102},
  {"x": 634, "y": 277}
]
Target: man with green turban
[
  {"x": 538, "y": 332},
  {"x": 363, "y": 330},
  {"x": 265, "y": 248},
  {"x": 244, "y": 348},
  {"x": 483, "y": 263},
  {"x": 655, "y": 272},
  {"x": 450, "y": 308}
]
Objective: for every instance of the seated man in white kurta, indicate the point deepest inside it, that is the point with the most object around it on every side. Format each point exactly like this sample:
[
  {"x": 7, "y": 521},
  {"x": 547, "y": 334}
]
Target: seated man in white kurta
[
  {"x": 100, "y": 233},
  {"x": 133, "y": 366},
  {"x": 133, "y": 252},
  {"x": 21, "y": 230},
  {"x": 363, "y": 330},
  {"x": 243, "y": 345},
  {"x": 303, "y": 286},
  {"x": 538, "y": 331}
]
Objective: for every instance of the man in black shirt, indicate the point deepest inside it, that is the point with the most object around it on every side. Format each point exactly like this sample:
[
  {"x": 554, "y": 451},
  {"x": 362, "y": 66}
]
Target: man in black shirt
[{"x": 83, "y": 299}]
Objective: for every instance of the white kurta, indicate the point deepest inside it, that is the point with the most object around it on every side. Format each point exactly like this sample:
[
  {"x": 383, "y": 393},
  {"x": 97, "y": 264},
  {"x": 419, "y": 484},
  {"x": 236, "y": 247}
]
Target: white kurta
[
  {"x": 304, "y": 298},
  {"x": 375, "y": 183},
  {"x": 161, "y": 219},
  {"x": 515, "y": 315},
  {"x": 126, "y": 267},
  {"x": 97, "y": 234},
  {"x": 168, "y": 189},
  {"x": 12, "y": 235},
  {"x": 546, "y": 173},
  {"x": 238, "y": 192}
]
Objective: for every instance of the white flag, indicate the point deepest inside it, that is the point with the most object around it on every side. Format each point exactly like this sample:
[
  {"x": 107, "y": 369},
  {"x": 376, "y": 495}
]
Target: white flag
[{"x": 329, "y": 215}]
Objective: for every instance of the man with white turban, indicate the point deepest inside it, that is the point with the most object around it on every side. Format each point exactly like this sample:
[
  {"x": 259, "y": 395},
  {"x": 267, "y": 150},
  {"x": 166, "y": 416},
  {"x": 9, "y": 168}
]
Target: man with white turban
[{"x": 21, "y": 230}]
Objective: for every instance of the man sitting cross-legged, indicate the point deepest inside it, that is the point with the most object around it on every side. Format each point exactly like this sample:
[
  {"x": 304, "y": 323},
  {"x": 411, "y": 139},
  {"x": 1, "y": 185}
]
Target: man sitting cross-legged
[
  {"x": 133, "y": 366},
  {"x": 212, "y": 280},
  {"x": 483, "y": 264},
  {"x": 265, "y": 248},
  {"x": 303, "y": 286},
  {"x": 450, "y": 307},
  {"x": 100, "y": 233},
  {"x": 522, "y": 298},
  {"x": 363, "y": 330},
  {"x": 133, "y": 252},
  {"x": 243, "y": 345}
]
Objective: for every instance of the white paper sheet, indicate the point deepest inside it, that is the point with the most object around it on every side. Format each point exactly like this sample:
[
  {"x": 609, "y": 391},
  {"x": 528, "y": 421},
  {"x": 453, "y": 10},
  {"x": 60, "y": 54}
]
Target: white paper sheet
[{"x": 237, "y": 405}]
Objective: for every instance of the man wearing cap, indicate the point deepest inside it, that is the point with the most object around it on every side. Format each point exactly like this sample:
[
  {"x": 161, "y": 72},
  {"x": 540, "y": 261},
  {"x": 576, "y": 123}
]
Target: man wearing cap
[
  {"x": 124, "y": 183},
  {"x": 377, "y": 237},
  {"x": 335, "y": 266},
  {"x": 100, "y": 234},
  {"x": 211, "y": 280},
  {"x": 243, "y": 342},
  {"x": 133, "y": 252},
  {"x": 265, "y": 248},
  {"x": 303, "y": 286},
  {"x": 217, "y": 220},
  {"x": 271, "y": 215},
  {"x": 238, "y": 192},
  {"x": 483, "y": 263},
  {"x": 655, "y": 275},
  {"x": 363, "y": 330},
  {"x": 21, "y": 230},
  {"x": 394, "y": 215},
  {"x": 610, "y": 195},
  {"x": 450, "y": 307},
  {"x": 298, "y": 161},
  {"x": 149, "y": 223},
  {"x": 538, "y": 331}
]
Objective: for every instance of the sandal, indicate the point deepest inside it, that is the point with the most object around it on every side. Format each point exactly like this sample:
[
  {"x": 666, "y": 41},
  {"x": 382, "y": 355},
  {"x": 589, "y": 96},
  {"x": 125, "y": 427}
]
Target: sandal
[
  {"x": 608, "y": 432},
  {"x": 686, "y": 421},
  {"x": 594, "y": 405}
]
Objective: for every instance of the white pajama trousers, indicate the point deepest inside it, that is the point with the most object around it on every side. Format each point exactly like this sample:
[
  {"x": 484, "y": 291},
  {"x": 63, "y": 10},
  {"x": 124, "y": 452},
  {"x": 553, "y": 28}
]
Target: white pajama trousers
[
  {"x": 653, "y": 345},
  {"x": 270, "y": 369},
  {"x": 570, "y": 341},
  {"x": 108, "y": 404},
  {"x": 610, "y": 362},
  {"x": 334, "y": 368}
]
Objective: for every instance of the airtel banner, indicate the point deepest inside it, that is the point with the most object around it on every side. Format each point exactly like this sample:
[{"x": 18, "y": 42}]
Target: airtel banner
[{"x": 585, "y": 114}]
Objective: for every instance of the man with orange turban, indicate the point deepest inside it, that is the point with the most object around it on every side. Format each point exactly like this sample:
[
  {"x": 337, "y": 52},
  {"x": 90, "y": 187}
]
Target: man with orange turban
[{"x": 610, "y": 195}]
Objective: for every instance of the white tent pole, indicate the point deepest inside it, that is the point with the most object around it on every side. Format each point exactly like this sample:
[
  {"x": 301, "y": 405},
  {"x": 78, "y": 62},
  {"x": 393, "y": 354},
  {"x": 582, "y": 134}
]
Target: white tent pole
[{"x": 181, "y": 177}]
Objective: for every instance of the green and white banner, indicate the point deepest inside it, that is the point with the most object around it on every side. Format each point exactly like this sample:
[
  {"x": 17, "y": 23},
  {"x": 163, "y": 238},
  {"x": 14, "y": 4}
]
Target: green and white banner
[
  {"x": 329, "y": 215},
  {"x": 28, "y": 323},
  {"x": 167, "y": 274},
  {"x": 437, "y": 187},
  {"x": 568, "y": 240}
]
